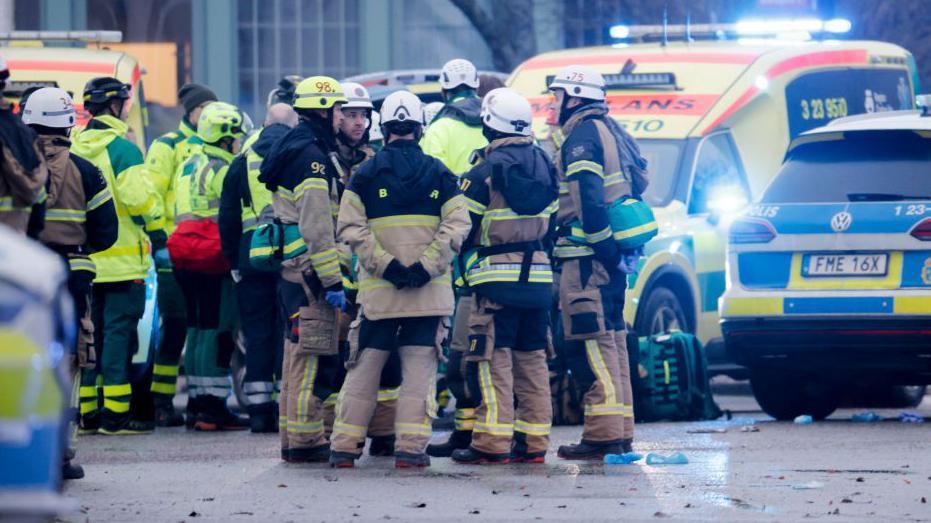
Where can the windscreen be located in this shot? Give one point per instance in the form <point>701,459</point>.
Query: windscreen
<point>862,166</point>
<point>662,167</point>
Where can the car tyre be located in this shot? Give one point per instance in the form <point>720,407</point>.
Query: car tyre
<point>785,395</point>
<point>662,312</point>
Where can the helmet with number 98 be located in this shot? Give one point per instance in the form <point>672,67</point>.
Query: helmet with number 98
<point>318,92</point>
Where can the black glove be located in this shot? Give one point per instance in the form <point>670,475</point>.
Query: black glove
<point>418,276</point>
<point>397,274</point>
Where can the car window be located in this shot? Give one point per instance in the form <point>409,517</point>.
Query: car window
<point>863,166</point>
<point>662,169</point>
<point>717,175</point>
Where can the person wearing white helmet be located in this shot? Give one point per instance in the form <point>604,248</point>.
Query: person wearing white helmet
<point>456,131</point>
<point>404,218</point>
<point>376,138</point>
<point>599,164</point>
<point>511,195</point>
<point>80,217</point>
<point>353,149</point>
<point>430,111</point>
<point>22,171</point>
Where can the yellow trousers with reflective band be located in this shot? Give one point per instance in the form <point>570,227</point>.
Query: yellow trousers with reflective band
<point>415,404</point>
<point>510,374</point>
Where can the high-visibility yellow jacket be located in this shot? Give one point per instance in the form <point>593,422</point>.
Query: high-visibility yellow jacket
<point>166,155</point>
<point>455,134</point>
<point>199,183</point>
<point>138,207</point>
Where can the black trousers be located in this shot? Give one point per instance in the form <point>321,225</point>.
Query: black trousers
<point>257,297</point>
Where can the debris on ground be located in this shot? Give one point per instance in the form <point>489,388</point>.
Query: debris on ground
<point>911,417</point>
<point>677,458</point>
<point>866,417</point>
<point>706,431</point>
<point>804,419</point>
<point>749,428</point>
<point>811,485</point>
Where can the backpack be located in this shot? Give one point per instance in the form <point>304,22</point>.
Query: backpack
<point>669,374</point>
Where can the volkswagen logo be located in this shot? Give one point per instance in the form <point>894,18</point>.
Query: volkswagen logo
<point>841,221</point>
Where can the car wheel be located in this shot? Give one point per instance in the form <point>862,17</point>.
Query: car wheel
<point>662,312</point>
<point>905,396</point>
<point>785,395</point>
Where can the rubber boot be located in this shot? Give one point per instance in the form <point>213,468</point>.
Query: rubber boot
<point>589,451</point>
<point>193,409</point>
<point>407,460</point>
<point>123,425</point>
<point>382,446</point>
<point>71,471</point>
<point>263,418</point>
<point>216,416</point>
<point>343,460</point>
<point>471,456</point>
<point>319,454</point>
<point>519,453</point>
<point>165,414</point>
<point>627,445</point>
<point>89,423</point>
<point>459,439</point>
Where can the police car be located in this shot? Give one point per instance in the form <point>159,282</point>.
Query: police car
<point>829,275</point>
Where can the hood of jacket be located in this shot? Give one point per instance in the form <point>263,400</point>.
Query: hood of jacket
<point>98,134</point>
<point>522,173</point>
<point>267,138</point>
<point>405,168</point>
<point>284,151</point>
<point>466,109</point>
<point>17,137</point>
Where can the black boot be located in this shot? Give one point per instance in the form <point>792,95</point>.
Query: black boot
<point>263,418</point>
<point>471,456</point>
<point>589,451</point>
<point>519,453</point>
<point>71,471</point>
<point>382,446</point>
<point>627,445</point>
<point>407,460</point>
<point>193,409</point>
<point>216,416</point>
<point>318,454</point>
<point>343,460</point>
<point>123,425</point>
<point>165,414</point>
<point>459,439</point>
<point>89,423</point>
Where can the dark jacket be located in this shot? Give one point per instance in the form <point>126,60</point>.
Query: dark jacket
<point>512,199</point>
<point>236,195</point>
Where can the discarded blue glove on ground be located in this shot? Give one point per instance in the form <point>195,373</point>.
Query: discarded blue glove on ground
<point>677,458</point>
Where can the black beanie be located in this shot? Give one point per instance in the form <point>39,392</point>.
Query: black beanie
<point>192,95</point>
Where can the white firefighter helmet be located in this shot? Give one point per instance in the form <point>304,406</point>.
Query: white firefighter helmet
<point>458,72</point>
<point>375,134</point>
<point>402,106</point>
<point>357,95</point>
<point>51,107</point>
<point>506,111</point>
<point>580,81</point>
<point>430,111</point>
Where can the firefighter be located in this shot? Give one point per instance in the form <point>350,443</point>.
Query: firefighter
<point>80,218</point>
<point>456,132</point>
<point>592,282</point>
<point>353,147</point>
<point>166,154</point>
<point>118,301</point>
<point>405,220</point>
<point>512,197</point>
<point>200,268</point>
<point>22,172</point>
<point>243,204</point>
<point>302,173</point>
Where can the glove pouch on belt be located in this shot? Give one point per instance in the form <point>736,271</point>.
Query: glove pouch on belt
<point>481,331</point>
<point>318,329</point>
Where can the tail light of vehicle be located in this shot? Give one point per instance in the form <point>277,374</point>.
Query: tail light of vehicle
<point>749,230</point>
<point>922,231</point>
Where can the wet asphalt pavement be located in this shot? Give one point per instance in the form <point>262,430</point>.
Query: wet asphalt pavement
<point>835,470</point>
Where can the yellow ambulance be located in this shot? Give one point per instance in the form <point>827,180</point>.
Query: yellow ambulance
<point>714,119</point>
<point>33,64</point>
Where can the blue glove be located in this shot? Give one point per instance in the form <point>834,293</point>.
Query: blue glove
<point>630,260</point>
<point>162,259</point>
<point>336,299</point>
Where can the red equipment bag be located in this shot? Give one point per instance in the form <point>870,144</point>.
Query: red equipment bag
<point>195,246</point>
